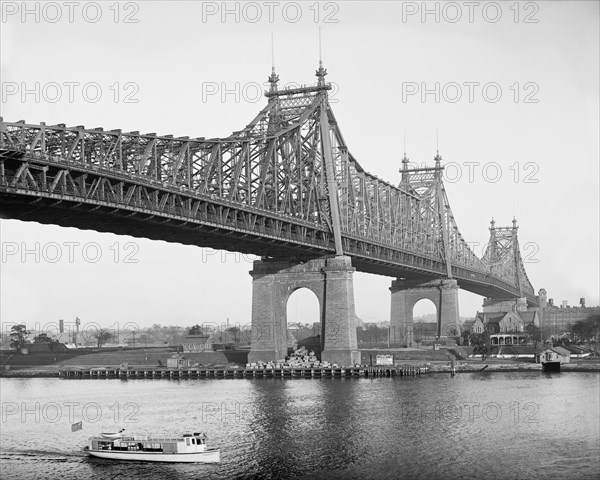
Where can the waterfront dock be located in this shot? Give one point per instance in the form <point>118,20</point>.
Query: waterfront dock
<point>215,372</point>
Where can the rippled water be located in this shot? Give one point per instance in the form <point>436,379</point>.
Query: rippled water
<point>482,425</point>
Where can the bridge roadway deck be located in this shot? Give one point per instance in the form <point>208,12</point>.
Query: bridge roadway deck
<point>277,237</point>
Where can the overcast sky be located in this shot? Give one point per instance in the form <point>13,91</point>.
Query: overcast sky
<point>511,88</point>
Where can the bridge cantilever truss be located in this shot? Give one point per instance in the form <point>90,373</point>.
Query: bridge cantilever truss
<point>284,186</point>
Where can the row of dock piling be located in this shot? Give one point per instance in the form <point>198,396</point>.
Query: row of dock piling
<point>199,373</point>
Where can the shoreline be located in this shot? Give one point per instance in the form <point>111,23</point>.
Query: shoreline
<point>433,368</point>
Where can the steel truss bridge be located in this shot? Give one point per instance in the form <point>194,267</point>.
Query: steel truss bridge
<point>284,186</point>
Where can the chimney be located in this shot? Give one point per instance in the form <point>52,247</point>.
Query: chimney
<point>564,304</point>
<point>551,302</point>
<point>582,302</point>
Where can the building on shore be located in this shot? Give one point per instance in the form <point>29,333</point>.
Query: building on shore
<point>505,320</point>
<point>557,320</point>
<point>503,317</point>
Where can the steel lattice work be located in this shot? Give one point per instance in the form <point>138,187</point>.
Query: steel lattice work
<point>503,256</point>
<point>284,186</point>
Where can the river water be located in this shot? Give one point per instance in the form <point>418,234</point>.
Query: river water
<point>481,425</point>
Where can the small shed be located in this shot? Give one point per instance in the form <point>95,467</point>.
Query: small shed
<point>552,358</point>
<point>178,361</point>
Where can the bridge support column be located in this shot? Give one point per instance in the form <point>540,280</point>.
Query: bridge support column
<point>340,319</point>
<point>406,293</point>
<point>331,280</point>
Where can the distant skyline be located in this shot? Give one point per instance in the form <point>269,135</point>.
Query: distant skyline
<point>514,102</point>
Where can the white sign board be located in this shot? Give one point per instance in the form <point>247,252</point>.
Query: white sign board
<point>384,360</point>
<point>194,347</point>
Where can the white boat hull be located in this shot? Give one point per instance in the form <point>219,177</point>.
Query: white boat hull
<point>208,456</point>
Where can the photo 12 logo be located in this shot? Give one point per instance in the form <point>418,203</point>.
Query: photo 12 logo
<point>210,255</point>
<point>270,12</point>
<point>69,12</point>
<point>529,250</point>
<point>68,252</point>
<point>76,332</point>
<point>69,92</point>
<point>470,92</point>
<point>470,412</point>
<point>470,12</point>
<point>55,412</point>
<point>249,92</point>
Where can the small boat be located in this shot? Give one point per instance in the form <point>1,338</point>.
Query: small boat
<point>187,448</point>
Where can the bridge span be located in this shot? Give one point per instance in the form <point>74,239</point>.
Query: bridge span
<point>286,188</point>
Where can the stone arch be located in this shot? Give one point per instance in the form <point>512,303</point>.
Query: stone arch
<point>427,300</point>
<point>314,295</point>
<point>406,293</point>
<point>426,331</point>
<point>330,279</point>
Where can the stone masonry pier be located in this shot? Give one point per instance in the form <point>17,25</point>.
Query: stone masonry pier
<point>331,280</point>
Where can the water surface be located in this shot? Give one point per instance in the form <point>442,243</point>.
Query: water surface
<point>479,425</point>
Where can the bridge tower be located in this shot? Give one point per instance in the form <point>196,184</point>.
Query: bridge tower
<point>503,258</point>
<point>426,184</point>
<point>330,277</point>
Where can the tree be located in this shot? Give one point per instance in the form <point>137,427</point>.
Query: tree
<point>481,344</point>
<point>44,338</point>
<point>102,336</point>
<point>172,335</point>
<point>561,340</point>
<point>236,332</point>
<point>534,334</point>
<point>195,330</point>
<point>18,336</point>
<point>587,330</point>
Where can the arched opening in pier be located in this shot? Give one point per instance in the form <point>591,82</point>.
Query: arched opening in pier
<point>425,321</point>
<point>304,320</point>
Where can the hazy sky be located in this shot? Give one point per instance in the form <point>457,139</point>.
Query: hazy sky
<point>511,88</point>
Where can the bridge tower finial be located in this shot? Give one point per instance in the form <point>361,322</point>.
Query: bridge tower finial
<point>514,222</point>
<point>404,169</point>
<point>438,164</point>
<point>274,78</point>
<point>438,157</point>
<point>321,72</point>
<point>493,224</point>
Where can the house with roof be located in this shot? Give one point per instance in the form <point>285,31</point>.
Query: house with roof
<point>476,325</point>
<point>504,328</point>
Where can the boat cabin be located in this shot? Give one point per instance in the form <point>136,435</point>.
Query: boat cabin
<point>188,443</point>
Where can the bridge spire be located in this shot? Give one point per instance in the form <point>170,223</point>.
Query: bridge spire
<point>274,78</point>
<point>438,157</point>
<point>321,72</point>
<point>404,169</point>
<point>438,164</point>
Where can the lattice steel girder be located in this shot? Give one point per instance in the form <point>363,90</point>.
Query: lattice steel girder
<point>289,169</point>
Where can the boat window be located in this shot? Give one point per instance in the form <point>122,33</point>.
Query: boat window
<point>187,441</point>
<point>193,441</point>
